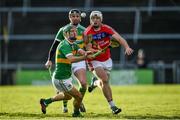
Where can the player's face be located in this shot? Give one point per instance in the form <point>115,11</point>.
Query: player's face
<point>96,21</point>
<point>75,18</point>
<point>73,34</point>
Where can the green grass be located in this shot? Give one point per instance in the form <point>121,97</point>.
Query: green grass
<point>137,102</point>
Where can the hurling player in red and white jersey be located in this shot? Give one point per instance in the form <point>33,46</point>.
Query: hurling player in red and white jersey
<point>98,37</point>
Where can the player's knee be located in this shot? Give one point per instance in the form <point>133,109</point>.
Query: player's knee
<point>105,80</point>
<point>84,86</point>
<point>67,97</point>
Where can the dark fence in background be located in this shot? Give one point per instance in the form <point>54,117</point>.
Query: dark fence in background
<point>28,29</point>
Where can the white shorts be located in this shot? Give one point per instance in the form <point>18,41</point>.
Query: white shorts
<point>62,85</point>
<point>107,65</point>
<point>78,65</point>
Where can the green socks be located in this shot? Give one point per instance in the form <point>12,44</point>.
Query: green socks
<point>48,101</point>
<point>65,103</point>
<point>82,90</point>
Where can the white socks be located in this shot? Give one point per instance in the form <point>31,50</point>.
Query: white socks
<point>111,103</point>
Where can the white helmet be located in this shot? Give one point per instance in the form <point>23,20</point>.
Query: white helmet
<point>96,13</point>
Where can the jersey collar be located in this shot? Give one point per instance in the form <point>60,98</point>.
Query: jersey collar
<point>76,26</point>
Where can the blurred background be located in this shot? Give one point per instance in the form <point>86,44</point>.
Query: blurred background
<point>151,27</point>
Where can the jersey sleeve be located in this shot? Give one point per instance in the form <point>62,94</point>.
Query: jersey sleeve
<point>53,49</point>
<point>59,36</point>
<point>66,50</point>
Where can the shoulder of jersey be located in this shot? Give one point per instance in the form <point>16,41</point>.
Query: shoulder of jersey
<point>65,43</point>
<point>82,27</point>
<point>106,26</point>
<point>62,42</point>
<point>88,29</point>
<point>64,27</point>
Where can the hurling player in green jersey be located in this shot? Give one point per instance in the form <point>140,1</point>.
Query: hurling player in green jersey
<point>66,54</point>
<point>78,68</point>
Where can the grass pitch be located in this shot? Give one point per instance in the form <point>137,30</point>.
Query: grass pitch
<point>137,102</point>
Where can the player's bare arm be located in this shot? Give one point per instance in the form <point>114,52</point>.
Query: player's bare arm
<point>89,48</point>
<point>83,52</point>
<point>123,42</point>
<point>88,44</point>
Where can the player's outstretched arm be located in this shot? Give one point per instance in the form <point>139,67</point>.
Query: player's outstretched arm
<point>51,53</point>
<point>123,42</point>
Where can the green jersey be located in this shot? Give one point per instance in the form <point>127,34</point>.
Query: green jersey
<point>80,29</point>
<point>63,65</point>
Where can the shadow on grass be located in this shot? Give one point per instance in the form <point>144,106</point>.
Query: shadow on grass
<point>31,115</point>
<point>125,116</point>
<point>86,115</point>
<point>150,117</point>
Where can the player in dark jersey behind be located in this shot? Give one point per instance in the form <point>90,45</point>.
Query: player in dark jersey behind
<point>66,55</point>
<point>78,68</point>
<point>98,37</point>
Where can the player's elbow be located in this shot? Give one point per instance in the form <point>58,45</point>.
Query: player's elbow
<point>71,58</point>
